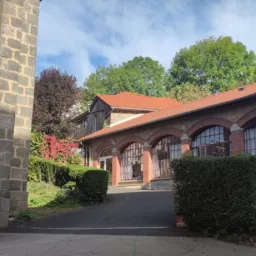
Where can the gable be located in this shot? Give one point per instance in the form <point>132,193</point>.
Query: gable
<point>99,105</point>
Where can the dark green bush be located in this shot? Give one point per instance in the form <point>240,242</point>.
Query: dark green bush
<point>41,169</point>
<point>24,215</point>
<point>77,171</point>
<point>93,185</point>
<point>216,195</point>
<point>71,185</point>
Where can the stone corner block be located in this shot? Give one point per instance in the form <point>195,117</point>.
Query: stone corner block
<point>4,219</point>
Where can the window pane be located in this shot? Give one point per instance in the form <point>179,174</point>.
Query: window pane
<point>204,142</point>
<point>250,137</point>
<point>131,162</point>
<point>164,151</point>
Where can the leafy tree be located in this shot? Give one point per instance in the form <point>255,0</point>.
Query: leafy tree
<point>141,75</point>
<point>152,75</point>
<point>189,92</point>
<point>218,63</point>
<point>55,94</point>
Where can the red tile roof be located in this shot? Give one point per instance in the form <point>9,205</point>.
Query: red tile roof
<point>183,109</point>
<point>130,100</point>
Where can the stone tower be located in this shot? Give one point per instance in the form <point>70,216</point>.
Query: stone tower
<point>18,41</point>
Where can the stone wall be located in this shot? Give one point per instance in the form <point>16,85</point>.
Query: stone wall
<point>18,41</point>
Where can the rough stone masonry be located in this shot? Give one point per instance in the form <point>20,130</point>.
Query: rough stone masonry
<point>18,41</point>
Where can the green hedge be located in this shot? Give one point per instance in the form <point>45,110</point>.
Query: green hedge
<point>41,169</point>
<point>216,195</point>
<point>93,185</point>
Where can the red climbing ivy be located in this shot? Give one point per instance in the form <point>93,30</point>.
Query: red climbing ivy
<point>56,149</point>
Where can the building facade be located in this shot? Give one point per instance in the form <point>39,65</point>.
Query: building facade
<point>142,149</point>
<point>109,110</point>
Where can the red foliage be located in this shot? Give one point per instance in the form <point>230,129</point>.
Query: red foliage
<point>53,148</point>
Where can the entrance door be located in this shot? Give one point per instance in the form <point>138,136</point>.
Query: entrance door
<point>106,164</point>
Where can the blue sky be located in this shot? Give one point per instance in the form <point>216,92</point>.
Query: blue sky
<point>80,35</point>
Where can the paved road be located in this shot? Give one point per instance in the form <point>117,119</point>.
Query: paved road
<point>132,223</point>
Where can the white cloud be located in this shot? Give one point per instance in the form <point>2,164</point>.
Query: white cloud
<point>120,30</point>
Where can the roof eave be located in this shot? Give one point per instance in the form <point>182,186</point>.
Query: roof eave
<point>135,109</point>
<point>171,117</point>
<point>79,116</point>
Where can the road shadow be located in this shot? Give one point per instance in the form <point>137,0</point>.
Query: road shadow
<point>126,212</point>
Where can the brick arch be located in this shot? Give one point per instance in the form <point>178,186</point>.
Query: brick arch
<point>160,133</point>
<point>103,146</point>
<point>208,122</point>
<point>122,144</point>
<point>247,117</point>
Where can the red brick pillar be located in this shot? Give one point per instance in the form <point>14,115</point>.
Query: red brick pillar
<point>95,162</point>
<point>186,143</point>
<point>147,164</point>
<point>116,169</point>
<point>237,142</point>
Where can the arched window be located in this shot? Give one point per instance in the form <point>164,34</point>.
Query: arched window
<point>212,141</point>
<point>132,162</point>
<point>164,151</point>
<point>250,137</point>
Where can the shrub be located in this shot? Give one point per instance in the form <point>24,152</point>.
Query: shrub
<point>41,169</point>
<point>24,215</point>
<point>71,185</point>
<point>76,171</point>
<point>216,195</point>
<point>36,143</point>
<point>75,159</point>
<point>93,185</point>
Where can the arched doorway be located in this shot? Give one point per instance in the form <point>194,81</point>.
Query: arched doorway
<point>250,137</point>
<point>163,152</point>
<point>132,162</point>
<point>211,141</point>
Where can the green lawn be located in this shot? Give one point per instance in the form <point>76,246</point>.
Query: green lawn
<point>45,199</point>
<point>41,193</point>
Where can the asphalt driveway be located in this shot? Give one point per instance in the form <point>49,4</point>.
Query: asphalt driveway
<point>132,222</point>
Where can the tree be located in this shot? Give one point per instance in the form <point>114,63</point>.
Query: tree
<point>152,74</point>
<point>55,94</point>
<point>218,63</point>
<point>141,75</point>
<point>189,92</point>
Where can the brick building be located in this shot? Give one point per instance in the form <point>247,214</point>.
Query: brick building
<point>141,148</point>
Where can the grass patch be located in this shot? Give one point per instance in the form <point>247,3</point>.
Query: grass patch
<point>41,193</point>
<point>45,199</point>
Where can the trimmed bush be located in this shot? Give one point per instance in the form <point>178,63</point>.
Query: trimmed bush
<point>93,185</point>
<point>41,169</point>
<point>216,195</point>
